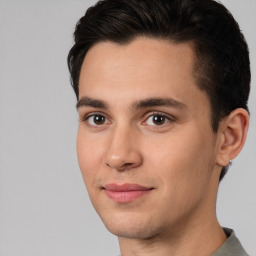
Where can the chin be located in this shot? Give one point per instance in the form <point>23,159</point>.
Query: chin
<point>130,226</point>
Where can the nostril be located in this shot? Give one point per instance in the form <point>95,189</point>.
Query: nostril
<point>126,166</point>
<point>123,167</point>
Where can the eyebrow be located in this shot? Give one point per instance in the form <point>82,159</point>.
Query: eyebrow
<point>158,102</point>
<point>145,103</point>
<point>90,102</point>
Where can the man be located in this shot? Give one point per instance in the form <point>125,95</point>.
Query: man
<point>162,89</point>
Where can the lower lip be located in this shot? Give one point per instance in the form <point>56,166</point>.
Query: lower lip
<point>125,196</point>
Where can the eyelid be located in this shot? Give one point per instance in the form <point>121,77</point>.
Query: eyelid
<point>160,113</point>
<point>154,113</point>
<point>90,114</point>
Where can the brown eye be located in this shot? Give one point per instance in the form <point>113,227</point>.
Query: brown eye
<point>157,120</point>
<point>96,120</point>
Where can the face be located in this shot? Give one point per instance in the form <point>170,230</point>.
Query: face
<point>145,143</point>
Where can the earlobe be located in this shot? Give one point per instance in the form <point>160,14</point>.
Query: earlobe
<point>232,135</point>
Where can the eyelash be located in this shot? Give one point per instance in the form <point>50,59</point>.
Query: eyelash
<point>167,118</point>
<point>86,117</point>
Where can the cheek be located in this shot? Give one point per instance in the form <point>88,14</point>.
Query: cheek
<point>182,174</point>
<point>178,150</point>
<point>88,153</point>
<point>182,160</point>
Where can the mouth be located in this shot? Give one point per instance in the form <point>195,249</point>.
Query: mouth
<point>125,193</point>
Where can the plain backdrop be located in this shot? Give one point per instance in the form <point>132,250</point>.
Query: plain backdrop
<point>44,206</point>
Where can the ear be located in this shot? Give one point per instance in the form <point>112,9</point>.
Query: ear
<point>232,134</point>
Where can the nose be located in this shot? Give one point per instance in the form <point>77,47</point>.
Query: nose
<point>123,152</point>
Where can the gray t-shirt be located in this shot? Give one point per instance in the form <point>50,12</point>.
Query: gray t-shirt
<point>231,247</point>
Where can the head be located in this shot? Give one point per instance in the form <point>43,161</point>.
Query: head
<point>129,55</point>
<point>222,67</point>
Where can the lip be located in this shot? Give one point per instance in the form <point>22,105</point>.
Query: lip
<point>125,193</point>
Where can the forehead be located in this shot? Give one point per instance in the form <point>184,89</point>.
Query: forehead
<point>142,58</point>
<point>143,68</point>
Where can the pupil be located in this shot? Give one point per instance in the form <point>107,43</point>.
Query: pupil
<point>158,119</point>
<point>98,119</point>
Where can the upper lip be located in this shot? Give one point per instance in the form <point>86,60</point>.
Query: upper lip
<point>125,187</point>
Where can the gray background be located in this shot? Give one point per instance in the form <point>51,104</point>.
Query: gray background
<point>44,207</point>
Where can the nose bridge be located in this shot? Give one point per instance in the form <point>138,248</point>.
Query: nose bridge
<point>123,151</point>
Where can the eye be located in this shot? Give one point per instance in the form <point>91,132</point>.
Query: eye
<point>96,120</point>
<point>157,119</point>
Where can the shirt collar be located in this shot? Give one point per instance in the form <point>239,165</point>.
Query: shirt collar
<point>231,247</point>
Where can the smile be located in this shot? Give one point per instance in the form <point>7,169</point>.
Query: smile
<point>125,193</point>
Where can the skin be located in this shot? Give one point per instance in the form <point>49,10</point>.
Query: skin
<point>179,159</point>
